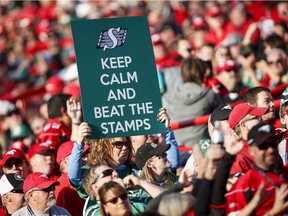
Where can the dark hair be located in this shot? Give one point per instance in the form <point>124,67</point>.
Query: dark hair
<point>193,70</point>
<point>251,95</point>
<point>275,41</point>
<point>56,103</point>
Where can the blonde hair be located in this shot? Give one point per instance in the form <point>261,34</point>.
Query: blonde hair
<point>89,178</point>
<point>146,174</point>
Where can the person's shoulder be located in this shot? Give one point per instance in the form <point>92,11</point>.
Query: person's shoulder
<point>92,207</point>
<point>21,211</point>
<point>60,210</point>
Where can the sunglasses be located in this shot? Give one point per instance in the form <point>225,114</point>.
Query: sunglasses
<point>276,62</point>
<point>46,190</point>
<point>115,199</point>
<point>11,163</point>
<point>105,173</point>
<point>120,144</point>
<point>265,146</point>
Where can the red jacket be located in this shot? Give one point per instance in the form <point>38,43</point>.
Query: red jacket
<point>244,189</point>
<point>55,133</point>
<point>67,197</point>
<point>243,162</point>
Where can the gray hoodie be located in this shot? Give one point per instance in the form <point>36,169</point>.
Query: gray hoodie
<point>187,101</point>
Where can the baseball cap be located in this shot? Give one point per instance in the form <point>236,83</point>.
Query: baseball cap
<point>246,50</point>
<point>38,180</point>
<point>220,113</point>
<point>72,89</point>
<point>232,39</point>
<point>39,148</point>
<point>12,182</point>
<point>261,134</point>
<point>198,22</point>
<point>13,153</point>
<point>65,150</point>
<point>156,39</point>
<point>214,11</point>
<point>18,144</point>
<point>226,66</point>
<point>241,110</point>
<point>148,150</point>
<point>54,85</point>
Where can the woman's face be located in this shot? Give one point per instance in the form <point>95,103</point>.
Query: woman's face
<point>160,163</point>
<point>117,204</point>
<point>120,150</point>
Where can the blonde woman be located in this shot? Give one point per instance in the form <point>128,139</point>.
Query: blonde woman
<point>152,159</point>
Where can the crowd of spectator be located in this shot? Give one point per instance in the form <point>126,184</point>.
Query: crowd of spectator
<point>216,58</point>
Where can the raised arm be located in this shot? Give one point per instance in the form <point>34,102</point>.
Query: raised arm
<point>75,161</point>
<point>173,154</point>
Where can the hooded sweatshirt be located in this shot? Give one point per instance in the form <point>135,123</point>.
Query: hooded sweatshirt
<point>187,101</point>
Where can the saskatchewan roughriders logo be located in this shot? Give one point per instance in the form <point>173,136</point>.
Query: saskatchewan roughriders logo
<point>111,38</point>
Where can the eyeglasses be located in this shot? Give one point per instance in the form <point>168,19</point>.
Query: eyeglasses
<point>11,163</point>
<point>120,144</point>
<point>265,146</point>
<point>276,62</point>
<point>115,199</point>
<point>46,190</point>
<point>105,173</point>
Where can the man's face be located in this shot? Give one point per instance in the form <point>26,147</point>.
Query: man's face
<point>264,158</point>
<point>265,99</point>
<point>14,165</point>
<point>44,198</point>
<point>104,174</point>
<point>43,163</point>
<point>229,79</point>
<point>16,198</point>
<point>276,64</point>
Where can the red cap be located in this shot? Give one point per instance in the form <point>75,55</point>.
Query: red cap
<point>37,180</point>
<point>13,153</point>
<point>18,144</point>
<point>213,11</point>
<point>54,85</point>
<point>241,110</point>
<point>65,150</point>
<point>39,148</point>
<point>226,66</point>
<point>72,89</point>
<point>199,22</point>
<point>156,39</point>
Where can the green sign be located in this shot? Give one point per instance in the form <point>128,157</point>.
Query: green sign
<point>118,79</point>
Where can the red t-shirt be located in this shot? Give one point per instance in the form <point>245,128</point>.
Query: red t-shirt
<point>55,133</point>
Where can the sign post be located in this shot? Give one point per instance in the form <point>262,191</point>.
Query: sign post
<point>118,80</point>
